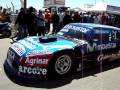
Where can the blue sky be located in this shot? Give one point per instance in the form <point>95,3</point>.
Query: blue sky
<point>70,3</point>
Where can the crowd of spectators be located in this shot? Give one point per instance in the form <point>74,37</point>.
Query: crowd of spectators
<point>32,22</point>
<point>39,23</point>
<point>4,15</point>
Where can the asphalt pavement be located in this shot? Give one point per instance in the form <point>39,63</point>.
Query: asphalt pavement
<point>90,79</point>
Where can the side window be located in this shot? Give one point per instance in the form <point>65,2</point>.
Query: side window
<point>96,36</point>
<point>117,35</point>
<point>106,34</point>
<point>102,34</point>
<point>78,34</point>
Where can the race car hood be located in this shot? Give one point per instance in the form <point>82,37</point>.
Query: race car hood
<point>37,45</point>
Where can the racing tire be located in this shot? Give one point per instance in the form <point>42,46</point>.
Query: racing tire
<point>60,65</point>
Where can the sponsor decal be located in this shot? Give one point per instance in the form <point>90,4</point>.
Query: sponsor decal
<point>58,46</point>
<point>38,52</point>
<point>91,48</point>
<point>36,61</point>
<point>95,47</point>
<point>20,49</point>
<point>80,29</point>
<point>28,44</point>
<point>33,41</point>
<point>34,71</point>
<point>104,57</point>
<point>10,55</point>
<point>106,46</point>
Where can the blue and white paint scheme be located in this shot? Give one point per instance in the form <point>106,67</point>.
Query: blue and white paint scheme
<point>73,43</point>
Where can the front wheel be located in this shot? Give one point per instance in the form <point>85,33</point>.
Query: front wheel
<point>61,64</point>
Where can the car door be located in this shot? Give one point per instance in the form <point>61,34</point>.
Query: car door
<point>92,51</point>
<point>116,38</point>
<point>102,44</point>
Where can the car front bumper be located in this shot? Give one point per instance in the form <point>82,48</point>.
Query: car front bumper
<point>15,73</point>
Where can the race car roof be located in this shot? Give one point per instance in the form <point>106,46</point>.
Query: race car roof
<point>92,25</point>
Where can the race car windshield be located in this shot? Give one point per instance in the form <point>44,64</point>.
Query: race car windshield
<point>74,34</point>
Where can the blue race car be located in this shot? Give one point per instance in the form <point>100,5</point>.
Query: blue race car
<point>37,57</point>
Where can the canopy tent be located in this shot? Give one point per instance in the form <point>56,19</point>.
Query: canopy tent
<point>77,9</point>
<point>113,9</point>
<point>102,7</point>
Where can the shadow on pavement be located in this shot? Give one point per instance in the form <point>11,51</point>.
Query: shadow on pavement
<point>1,37</point>
<point>55,82</point>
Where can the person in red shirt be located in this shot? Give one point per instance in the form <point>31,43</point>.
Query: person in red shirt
<point>47,20</point>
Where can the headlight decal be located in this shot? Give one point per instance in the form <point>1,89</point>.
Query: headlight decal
<point>18,48</point>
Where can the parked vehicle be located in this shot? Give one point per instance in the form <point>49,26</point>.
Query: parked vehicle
<point>5,29</point>
<point>37,57</point>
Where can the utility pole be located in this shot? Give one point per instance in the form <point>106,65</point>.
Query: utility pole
<point>25,4</point>
<point>13,7</point>
<point>13,12</point>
